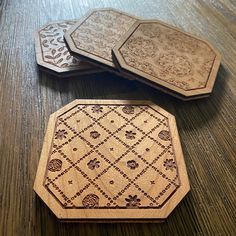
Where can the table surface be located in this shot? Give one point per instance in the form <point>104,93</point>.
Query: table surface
<point>207,126</point>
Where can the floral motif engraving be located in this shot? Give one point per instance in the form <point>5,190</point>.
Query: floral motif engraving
<point>161,53</point>
<point>174,64</point>
<point>99,33</point>
<point>164,135</point>
<point>92,164</point>
<point>132,164</point>
<point>206,67</point>
<point>183,42</point>
<point>55,165</point>
<point>141,47</point>
<point>132,201</point>
<point>61,134</point>
<point>169,164</point>
<point>97,109</point>
<point>128,109</point>
<point>94,134</point>
<point>130,134</point>
<point>90,201</point>
<point>150,30</point>
<point>54,50</point>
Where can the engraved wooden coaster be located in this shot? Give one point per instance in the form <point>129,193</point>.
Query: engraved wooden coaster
<point>93,37</point>
<point>167,58</point>
<point>52,54</point>
<point>111,160</point>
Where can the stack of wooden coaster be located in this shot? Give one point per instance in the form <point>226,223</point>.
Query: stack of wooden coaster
<point>150,51</point>
<point>116,160</point>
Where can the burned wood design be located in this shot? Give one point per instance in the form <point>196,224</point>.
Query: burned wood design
<point>127,164</point>
<point>52,52</point>
<point>168,57</point>
<point>94,36</point>
<point>127,137</point>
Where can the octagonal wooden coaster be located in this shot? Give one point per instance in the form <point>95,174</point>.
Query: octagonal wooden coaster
<point>111,160</point>
<point>52,54</point>
<point>93,37</point>
<point>168,59</point>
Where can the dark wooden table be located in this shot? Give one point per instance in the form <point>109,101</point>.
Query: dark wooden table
<point>207,127</point>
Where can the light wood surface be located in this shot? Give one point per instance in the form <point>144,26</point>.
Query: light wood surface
<point>111,160</point>
<point>52,54</point>
<point>206,126</point>
<point>168,57</point>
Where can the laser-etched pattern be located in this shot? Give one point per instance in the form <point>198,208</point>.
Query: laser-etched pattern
<point>98,33</point>
<point>52,52</point>
<point>159,52</point>
<point>112,156</point>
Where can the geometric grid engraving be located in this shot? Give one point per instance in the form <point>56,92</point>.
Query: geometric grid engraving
<point>112,156</point>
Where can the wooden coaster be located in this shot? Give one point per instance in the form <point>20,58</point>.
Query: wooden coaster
<point>93,37</point>
<point>167,58</point>
<point>111,160</point>
<point>52,54</point>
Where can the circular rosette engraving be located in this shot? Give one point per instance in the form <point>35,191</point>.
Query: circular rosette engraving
<point>55,165</point>
<point>132,164</point>
<point>128,109</point>
<point>164,135</point>
<point>90,201</point>
<point>141,47</point>
<point>94,134</point>
<point>97,109</point>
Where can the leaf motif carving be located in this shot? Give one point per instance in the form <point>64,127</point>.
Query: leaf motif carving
<point>60,40</point>
<point>51,41</point>
<point>68,57</point>
<point>62,25</point>
<point>53,51</point>
<point>48,57</point>
<point>53,35</point>
<point>61,49</point>
<point>64,65</point>
<point>57,56</point>
<point>60,60</point>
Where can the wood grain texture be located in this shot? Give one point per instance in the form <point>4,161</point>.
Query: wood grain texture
<point>111,160</point>
<point>206,127</point>
<point>168,57</point>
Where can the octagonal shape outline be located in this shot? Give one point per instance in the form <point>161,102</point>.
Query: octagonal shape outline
<point>111,214</point>
<point>79,53</point>
<point>133,73</point>
<point>55,70</point>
